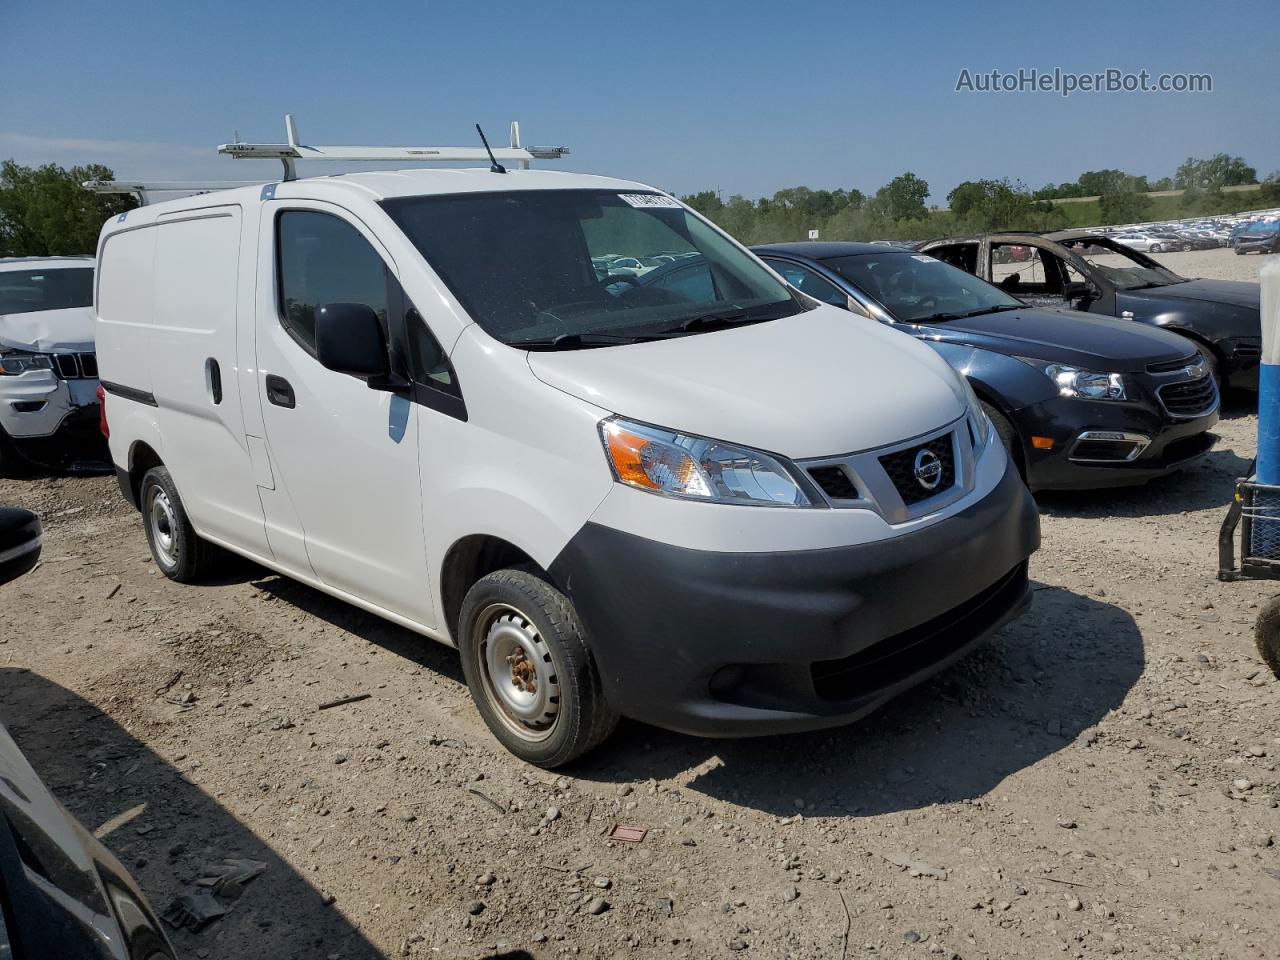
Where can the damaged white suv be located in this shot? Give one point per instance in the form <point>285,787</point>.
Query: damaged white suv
<point>48,368</point>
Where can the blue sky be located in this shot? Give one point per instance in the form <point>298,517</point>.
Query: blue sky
<point>748,97</point>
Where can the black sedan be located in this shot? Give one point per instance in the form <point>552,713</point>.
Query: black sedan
<point>1080,401</point>
<point>1087,271</point>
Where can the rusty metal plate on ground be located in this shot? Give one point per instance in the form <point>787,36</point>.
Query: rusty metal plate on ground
<point>627,834</point>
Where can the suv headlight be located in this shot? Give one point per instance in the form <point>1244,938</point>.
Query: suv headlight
<point>20,361</point>
<point>697,468</point>
<point>1077,382</point>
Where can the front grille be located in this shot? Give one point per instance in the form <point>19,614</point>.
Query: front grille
<point>1189,398</point>
<point>76,366</point>
<point>835,483</point>
<point>897,657</point>
<point>901,468</point>
<point>1173,366</point>
<point>1104,450</point>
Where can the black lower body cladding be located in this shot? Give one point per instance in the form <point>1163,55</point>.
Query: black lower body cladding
<point>740,644</point>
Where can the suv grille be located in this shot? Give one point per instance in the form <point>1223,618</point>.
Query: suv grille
<point>1173,366</point>
<point>901,468</point>
<point>76,366</point>
<point>1190,398</point>
<point>835,483</point>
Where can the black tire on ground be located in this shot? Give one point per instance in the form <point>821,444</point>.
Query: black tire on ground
<point>1155,248</point>
<point>1266,634</point>
<point>1009,437</point>
<point>177,549</point>
<point>516,610</point>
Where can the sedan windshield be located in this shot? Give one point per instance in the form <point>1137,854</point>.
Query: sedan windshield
<point>916,288</point>
<point>34,291</point>
<point>1122,267</point>
<point>567,269</point>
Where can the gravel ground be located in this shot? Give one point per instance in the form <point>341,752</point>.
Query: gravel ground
<point>1101,779</point>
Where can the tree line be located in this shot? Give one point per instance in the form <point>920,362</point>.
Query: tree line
<point>899,210</point>
<point>44,211</point>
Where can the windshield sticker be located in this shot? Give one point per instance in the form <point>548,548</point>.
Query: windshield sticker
<point>649,200</point>
<point>923,259</point>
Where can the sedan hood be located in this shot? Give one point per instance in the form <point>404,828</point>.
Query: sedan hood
<point>816,384</point>
<point>49,331</point>
<point>1238,293</point>
<point>1067,336</point>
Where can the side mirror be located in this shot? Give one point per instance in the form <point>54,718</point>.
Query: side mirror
<point>350,339</point>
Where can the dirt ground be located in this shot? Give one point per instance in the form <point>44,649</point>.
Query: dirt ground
<point>1101,779</point>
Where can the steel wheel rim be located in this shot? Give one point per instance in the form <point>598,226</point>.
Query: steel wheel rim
<point>164,523</point>
<point>520,679</point>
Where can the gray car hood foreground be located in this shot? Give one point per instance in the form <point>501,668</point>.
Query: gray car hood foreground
<point>49,331</point>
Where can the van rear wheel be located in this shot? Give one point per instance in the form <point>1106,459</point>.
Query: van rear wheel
<point>177,549</point>
<point>534,681</point>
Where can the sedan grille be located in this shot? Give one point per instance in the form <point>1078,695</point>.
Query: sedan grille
<point>1189,398</point>
<point>901,468</point>
<point>1173,366</point>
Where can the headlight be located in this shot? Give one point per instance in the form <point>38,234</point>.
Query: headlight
<point>1086,384</point>
<point>680,465</point>
<point>979,423</point>
<point>19,361</point>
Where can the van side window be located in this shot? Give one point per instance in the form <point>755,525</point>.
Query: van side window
<point>431,366</point>
<point>321,259</point>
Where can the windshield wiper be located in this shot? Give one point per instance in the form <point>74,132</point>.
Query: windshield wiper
<point>576,341</point>
<point>709,321</point>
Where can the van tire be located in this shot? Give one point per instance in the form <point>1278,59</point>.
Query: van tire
<point>1008,436</point>
<point>517,610</point>
<point>176,548</point>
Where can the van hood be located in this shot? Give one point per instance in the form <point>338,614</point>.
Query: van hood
<point>817,384</point>
<point>1065,336</point>
<point>48,331</point>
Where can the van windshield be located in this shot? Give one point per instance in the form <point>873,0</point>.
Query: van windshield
<point>566,269</point>
<point>33,291</point>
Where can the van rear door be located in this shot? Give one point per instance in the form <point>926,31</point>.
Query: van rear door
<point>192,354</point>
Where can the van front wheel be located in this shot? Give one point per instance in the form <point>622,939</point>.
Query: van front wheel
<point>525,657</point>
<point>175,546</point>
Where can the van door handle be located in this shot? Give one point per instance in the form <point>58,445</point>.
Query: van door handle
<point>213,379</point>
<point>280,392</point>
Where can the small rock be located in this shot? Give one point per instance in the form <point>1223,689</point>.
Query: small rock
<point>1067,824</point>
<point>737,944</point>
<point>486,879</point>
<point>790,894</point>
<point>596,906</point>
<point>1074,905</point>
<point>603,883</point>
<point>911,936</point>
<point>475,907</point>
<point>625,790</point>
<point>1257,751</point>
<point>553,814</point>
<point>1242,785</point>
<point>340,758</point>
<point>539,937</point>
<point>408,817</point>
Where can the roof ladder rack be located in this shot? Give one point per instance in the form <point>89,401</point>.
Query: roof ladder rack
<point>143,189</point>
<point>290,152</point>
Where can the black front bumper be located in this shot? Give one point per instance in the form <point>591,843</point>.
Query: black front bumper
<point>1174,443</point>
<point>738,644</point>
<point>78,439</point>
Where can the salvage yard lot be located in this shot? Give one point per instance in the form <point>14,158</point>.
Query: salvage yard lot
<point>1100,779</point>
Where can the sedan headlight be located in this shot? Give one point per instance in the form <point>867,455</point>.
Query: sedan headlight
<point>20,361</point>
<point>680,465</point>
<point>1076,382</point>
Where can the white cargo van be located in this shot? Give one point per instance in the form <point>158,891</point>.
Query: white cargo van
<point>691,496</point>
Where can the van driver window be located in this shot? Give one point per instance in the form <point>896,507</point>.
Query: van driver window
<point>322,259</point>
